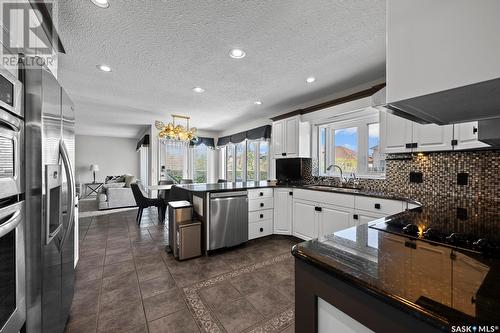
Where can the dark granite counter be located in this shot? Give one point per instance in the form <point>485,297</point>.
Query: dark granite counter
<point>440,284</point>
<point>239,186</point>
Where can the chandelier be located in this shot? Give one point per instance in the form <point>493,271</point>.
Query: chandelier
<point>173,131</point>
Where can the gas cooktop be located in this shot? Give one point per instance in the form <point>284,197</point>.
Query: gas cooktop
<point>472,226</point>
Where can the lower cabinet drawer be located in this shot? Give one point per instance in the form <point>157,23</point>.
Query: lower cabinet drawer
<point>259,204</point>
<point>260,215</point>
<point>260,229</point>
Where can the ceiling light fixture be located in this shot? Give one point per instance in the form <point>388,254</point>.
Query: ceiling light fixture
<point>104,68</point>
<point>237,53</point>
<point>173,131</point>
<point>101,3</point>
<point>198,90</point>
<point>310,79</point>
<point>257,103</point>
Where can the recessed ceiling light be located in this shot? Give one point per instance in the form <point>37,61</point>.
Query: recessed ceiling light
<point>198,90</point>
<point>310,79</point>
<point>101,3</point>
<point>257,103</point>
<point>104,68</point>
<point>237,53</point>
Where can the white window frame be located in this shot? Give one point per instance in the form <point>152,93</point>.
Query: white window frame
<point>191,163</point>
<point>361,123</point>
<point>245,165</point>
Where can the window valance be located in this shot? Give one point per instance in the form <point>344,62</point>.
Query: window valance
<point>263,132</point>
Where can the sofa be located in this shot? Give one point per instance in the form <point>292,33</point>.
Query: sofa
<point>116,192</point>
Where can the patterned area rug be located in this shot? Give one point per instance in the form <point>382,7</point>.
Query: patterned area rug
<point>207,319</point>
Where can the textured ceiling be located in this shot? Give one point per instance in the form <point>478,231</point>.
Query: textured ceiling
<point>159,50</point>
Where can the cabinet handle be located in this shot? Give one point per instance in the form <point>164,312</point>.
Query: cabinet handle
<point>355,216</point>
<point>318,209</point>
<point>261,229</point>
<point>261,194</point>
<point>414,145</point>
<point>472,300</point>
<point>408,145</point>
<point>283,154</point>
<point>474,130</point>
<point>261,216</point>
<point>262,204</point>
<point>290,193</point>
<point>377,206</point>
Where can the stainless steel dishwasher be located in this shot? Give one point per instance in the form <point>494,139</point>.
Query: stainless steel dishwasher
<point>228,225</point>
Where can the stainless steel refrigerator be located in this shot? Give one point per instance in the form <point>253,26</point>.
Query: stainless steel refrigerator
<point>50,199</point>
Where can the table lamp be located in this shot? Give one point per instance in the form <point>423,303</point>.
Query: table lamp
<point>94,168</point>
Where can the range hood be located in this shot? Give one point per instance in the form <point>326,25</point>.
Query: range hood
<point>479,101</point>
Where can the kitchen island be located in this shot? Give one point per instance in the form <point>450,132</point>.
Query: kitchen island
<point>272,208</point>
<point>423,270</point>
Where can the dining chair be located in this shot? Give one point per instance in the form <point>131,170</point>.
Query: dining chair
<point>145,202</point>
<point>186,181</point>
<point>222,181</point>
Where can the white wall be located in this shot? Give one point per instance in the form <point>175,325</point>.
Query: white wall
<point>115,156</point>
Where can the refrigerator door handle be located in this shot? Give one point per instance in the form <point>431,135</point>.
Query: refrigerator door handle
<point>72,188</point>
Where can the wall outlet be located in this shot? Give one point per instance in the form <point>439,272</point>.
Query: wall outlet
<point>462,213</point>
<point>416,177</point>
<point>462,178</point>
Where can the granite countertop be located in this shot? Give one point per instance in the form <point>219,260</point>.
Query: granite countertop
<point>240,186</point>
<point>443,285</point>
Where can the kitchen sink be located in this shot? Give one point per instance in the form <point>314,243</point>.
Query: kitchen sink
<point>333,188</point>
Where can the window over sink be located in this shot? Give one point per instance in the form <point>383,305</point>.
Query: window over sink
<point>353,144</point>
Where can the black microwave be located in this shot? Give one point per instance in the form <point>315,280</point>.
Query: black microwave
<point>291,170</point>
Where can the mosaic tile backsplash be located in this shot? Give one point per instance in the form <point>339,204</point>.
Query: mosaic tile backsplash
<point>481,170</point>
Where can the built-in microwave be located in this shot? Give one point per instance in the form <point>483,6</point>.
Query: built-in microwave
<point>10,93</point>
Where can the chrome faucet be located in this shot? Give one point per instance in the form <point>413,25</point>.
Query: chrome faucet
<point>342,179</point>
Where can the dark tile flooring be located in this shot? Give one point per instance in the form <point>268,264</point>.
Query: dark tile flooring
<point>126,282</point>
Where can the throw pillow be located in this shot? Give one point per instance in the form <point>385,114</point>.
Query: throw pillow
<point>129,179</point>
<point>114,185</point>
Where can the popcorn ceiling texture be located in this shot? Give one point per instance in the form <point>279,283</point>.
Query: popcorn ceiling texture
<point>439,171</point>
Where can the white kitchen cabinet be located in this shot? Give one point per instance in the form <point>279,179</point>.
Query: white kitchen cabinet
<point>468,276</point>
<point>283,211</point>
<point>260,212</point>
<point>432,137</point>
<point>461,30</point>
<point>373,205</point>
<point>305,221</point>
<point>291,138</point>
<point>362,217</point>
<point>397,133</point>
<point>465,135</point>
<point>333,218</point>
<point>404,136</point>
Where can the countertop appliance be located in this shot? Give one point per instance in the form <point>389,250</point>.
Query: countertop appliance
<point>291,170</point>
<point>12,214</point>
<point>50,195</point>
<point>228,224</point>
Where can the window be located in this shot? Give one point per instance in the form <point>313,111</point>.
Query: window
<point>345,143</point>
<point>230,162</point>
<point>173,156</point>
<point>247,161</point>
<point>263,160</point>
<point>200,164</point>
<point>240,161</point>
<point>353,145</point>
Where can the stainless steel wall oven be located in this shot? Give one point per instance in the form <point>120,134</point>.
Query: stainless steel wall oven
<point>12,213</point>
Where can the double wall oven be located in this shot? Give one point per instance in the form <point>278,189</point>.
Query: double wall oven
<point>12,214</point>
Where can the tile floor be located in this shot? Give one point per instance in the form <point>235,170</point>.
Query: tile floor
<point>125,282</point>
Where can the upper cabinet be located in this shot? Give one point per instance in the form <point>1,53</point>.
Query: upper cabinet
<point>439,45</point>
<point>291,138</point>
<point>405,136</point>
